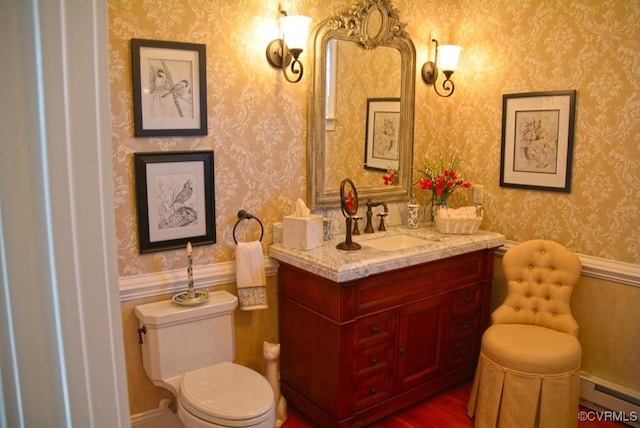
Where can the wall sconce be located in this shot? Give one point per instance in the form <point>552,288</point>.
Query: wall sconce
<point>280,52</point>
<point>448,61</point>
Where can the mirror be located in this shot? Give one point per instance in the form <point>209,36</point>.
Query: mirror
<point>361,98</point>
<point>349,205</point>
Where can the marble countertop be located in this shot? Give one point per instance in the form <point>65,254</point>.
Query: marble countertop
<point>340,265</point>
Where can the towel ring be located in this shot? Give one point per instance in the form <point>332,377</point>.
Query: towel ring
<point>243,215</point>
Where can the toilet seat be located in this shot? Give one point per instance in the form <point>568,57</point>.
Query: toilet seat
<point>227,394</point>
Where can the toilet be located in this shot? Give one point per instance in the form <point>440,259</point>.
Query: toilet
<point>189,350</point>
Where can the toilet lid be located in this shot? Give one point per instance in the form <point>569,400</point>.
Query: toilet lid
<point>227,393</point>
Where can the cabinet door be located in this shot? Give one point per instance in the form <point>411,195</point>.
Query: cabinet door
<point>420,340</point>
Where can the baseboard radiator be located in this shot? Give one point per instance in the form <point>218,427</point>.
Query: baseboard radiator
<point>609,401</point>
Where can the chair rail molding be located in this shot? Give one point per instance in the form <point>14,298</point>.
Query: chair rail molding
<point>597,267</point>
<point>157,283</point>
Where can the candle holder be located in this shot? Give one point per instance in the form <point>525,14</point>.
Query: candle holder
<point>191,297</point>
<point>198,298</point>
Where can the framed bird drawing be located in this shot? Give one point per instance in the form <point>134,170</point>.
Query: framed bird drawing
<point>175,199</point>
<point>169,88</point>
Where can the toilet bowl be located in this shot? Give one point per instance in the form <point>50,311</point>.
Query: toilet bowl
<point>223,395</point>
<point>189,351</point>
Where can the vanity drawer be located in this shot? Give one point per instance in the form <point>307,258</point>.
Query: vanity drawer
<point>465,325</point>
<point>466,300</point>
<point>463,351</point>
<point>375,329</point>
<point>373,389</point>
<point>394,288</point>
<point>378,358</point>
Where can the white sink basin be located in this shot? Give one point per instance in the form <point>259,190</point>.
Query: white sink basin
<point>394,242</point>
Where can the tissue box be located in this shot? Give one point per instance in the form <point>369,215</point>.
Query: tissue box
<point>302,233</point>
<point>276,232</point>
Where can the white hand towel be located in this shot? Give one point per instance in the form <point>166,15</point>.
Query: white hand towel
<point>251,278</point>
<point>464,212</point>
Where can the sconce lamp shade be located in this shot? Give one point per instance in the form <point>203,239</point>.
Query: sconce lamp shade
<point>446,60</point>
<point>295,30</point>
<point>448,56</point>
<point>284,52</point>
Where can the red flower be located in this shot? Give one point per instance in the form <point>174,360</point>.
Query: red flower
<point>441,179</point>
<point>389,179</point>
<point>348,199</point>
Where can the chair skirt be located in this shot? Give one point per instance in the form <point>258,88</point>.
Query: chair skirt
<point>514,387</point>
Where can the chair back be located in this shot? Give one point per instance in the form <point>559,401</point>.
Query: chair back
<point>540,276</point>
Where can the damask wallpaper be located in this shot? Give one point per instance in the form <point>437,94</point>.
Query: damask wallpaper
<point>257,128</point>
<point>257,121</point>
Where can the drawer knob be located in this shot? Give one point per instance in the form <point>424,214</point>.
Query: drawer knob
<point>372,391</point>
<point>465,326</point>
<point>467,299</point>
<point>463,352</point>
<point>402,351</point>
<point>374,361</point>
<point>374,329</point>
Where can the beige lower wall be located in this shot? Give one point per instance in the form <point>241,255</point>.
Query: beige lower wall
<point>252,329</point>
<point>607,313</point>
<point>609,322</point>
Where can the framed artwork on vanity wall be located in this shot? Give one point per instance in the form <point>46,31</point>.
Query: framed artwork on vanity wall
<point>174,199</point>
<point>537,140</point>
<point>381,151</point>
<point>169,88</point>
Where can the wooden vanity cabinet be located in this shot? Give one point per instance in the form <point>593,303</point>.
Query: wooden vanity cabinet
<point>356,351</point>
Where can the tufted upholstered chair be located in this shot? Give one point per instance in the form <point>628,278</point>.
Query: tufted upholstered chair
<point>529,365</point>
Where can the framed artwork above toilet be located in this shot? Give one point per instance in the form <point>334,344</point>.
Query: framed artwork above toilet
<point>174,199</point>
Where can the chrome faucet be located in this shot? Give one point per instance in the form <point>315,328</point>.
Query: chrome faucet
<point>369,227</point>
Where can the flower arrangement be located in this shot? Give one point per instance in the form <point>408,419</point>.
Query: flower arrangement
<point>442,179</point>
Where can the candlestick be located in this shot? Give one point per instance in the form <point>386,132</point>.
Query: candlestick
<point>191,292</point>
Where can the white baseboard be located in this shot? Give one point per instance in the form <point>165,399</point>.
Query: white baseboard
<point>157,418</point>
<point>613,401</point>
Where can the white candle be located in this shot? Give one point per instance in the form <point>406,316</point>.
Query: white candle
<point>191,291</point>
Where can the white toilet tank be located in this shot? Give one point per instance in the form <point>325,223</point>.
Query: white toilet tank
<point>179,339</point>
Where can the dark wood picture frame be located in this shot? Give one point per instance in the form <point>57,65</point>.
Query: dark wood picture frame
<point>537,140</point>
<point>175,199</point>
<point>381,148</point>
<point>169,88</point>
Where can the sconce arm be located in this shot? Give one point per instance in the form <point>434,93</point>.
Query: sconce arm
<point>296,67</point>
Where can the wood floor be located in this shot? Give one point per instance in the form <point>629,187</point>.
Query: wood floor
<point>448,410</point>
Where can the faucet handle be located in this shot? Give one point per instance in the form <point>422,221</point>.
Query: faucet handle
<point>355,219</point>
<point>382,228</point>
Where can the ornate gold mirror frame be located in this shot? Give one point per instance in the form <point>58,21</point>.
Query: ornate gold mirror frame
<point>369,24</point>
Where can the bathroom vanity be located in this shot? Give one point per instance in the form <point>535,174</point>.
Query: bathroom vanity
<point>365,333</point>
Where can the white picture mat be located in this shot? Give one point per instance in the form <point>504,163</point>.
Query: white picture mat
<point>164,179</point>
<point>544,178</point>
<point>184,65</point>
<point>380,113</point>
